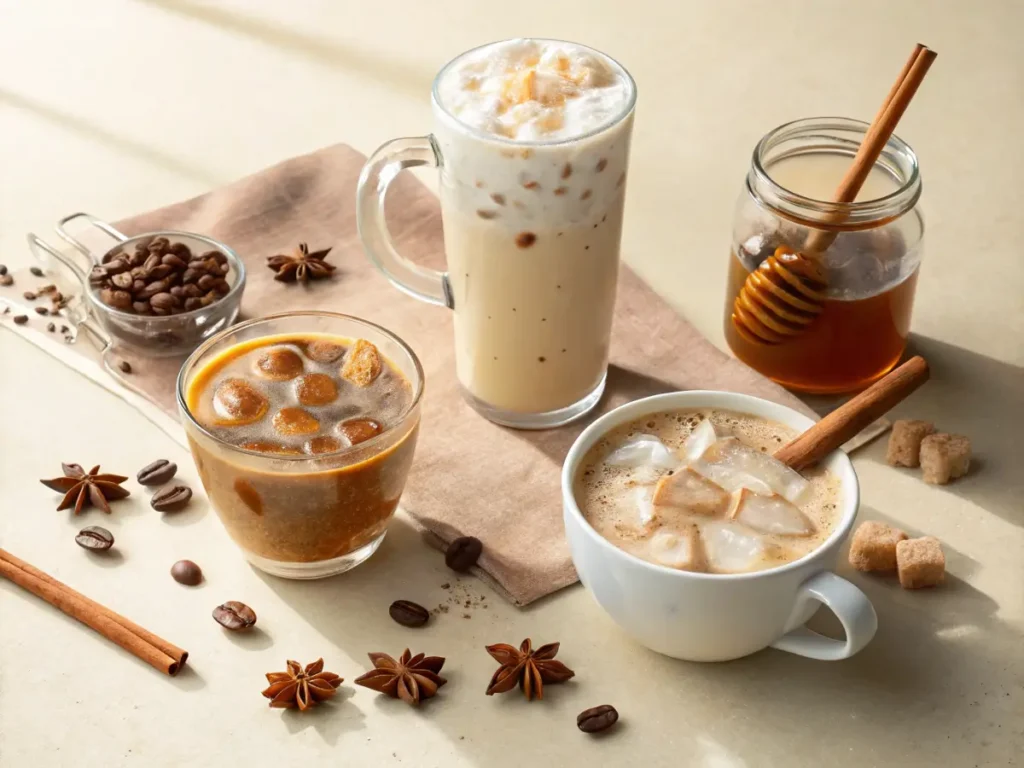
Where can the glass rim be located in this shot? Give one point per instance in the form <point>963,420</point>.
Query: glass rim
<point>435,98</point>
<point>239,266</point>
<point>898,201</point>
<point>193,359</point>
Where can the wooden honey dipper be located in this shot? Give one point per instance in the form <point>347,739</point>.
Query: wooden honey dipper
<point>784,295</point>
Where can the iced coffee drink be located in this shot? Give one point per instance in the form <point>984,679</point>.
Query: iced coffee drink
<point>532,139</point>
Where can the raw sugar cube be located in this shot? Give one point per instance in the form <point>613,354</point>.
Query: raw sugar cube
<point>874,546</point>
<point>945,457</point>
<point>905,442</point>
<point>920,562</point>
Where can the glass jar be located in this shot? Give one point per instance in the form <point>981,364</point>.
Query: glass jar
<point>849,329</point>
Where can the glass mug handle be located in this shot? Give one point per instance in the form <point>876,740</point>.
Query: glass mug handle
<point>851,607</point>
<point>380,170</point>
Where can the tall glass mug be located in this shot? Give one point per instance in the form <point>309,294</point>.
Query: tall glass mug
<point>531,138</point>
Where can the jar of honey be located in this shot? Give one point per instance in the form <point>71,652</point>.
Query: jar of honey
<point>819,293</point>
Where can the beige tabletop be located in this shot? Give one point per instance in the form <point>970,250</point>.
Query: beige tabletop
<point>116,106</point>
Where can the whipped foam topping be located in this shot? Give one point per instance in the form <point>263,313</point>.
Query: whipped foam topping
<point>534,90</point>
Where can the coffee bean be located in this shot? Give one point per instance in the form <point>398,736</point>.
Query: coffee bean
<point>124,280</point>
<point>51,327</point>
<point>165,301</point>
<point>206,282</point>
<point>597,719</point>
<point>408,613</point>
<point>181,250</point>
<point>171,499</point>
<point>95,538</point>
<point>117,266</point>
<point>42,311</point>
<point>234,615</point>
<point>125,366</point>
<point>29,296</point>
<point>6,280</point>
<point>173,261</point>
<point>121,300</point>
<point>463,553</point>
<point>188,573</point>
<point>192,304</point>
<point>20,319</point>
<point>157,473</point>
<point>160,271</point>
<point>3,270</point>
<point>142,308</point>
<point>36,271</point>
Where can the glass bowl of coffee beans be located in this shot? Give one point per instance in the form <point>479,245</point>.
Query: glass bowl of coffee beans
<point>160,293</point>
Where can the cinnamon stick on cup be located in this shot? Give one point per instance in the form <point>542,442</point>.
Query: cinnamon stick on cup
<point>142,643</point>
<point>851,417</point>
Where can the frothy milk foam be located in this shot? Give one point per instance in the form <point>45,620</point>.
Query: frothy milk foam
<point>729,509</point>
<point>535,140</point>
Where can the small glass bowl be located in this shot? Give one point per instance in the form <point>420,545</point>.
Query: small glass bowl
<point>149,335</point>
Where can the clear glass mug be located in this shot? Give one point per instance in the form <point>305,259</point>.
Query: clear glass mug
<point>532,232</point>
<point>856,330</point>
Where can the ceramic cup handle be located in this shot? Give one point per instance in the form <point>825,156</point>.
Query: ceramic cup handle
<point>851,607</point>
<point>380,170</point>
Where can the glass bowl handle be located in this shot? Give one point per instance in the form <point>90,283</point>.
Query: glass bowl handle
<point>101,225</point>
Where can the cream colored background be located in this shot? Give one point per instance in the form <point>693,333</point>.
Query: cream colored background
<point>118,106</point>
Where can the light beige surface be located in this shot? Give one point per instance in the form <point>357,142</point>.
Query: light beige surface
<point>115,107</point>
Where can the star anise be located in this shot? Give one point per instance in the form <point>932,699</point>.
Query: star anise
<point>81,488</point>
<point>410,678</point>
<point>302,688</point>
<point>301,265</point>
<point>526,667</point>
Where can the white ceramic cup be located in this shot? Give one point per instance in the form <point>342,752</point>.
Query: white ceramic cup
<point>716,617</point>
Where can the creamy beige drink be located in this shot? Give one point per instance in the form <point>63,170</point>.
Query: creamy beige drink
<point>534,140</point>
<point>699,491</point>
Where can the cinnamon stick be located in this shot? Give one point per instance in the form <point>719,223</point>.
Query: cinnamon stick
<point>875,139</point>
<point>142,643</point>
<point>851,417</point>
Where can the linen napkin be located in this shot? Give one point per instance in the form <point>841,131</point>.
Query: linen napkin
<point>469,477</point>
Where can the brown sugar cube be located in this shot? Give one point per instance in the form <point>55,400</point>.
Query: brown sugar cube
<point>905,442</point>
<point>362,364</point>
<point>874,546</point>
<point>920,562</point>
<point>945,457</point>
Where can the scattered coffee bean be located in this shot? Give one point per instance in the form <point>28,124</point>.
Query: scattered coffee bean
<point>171,499</point>
<point>64,329</point>
<point>157,473</point>
<point>408,613</point>
<point>234,615</point>
<point>20,319</point>
<point>597,719</point>
<point>3,270</point>
<point>51,327</point>
<point>6,280</point>
<point>29,296</point>
<point>188,573</point>
<point>463,553</point>
<point>36,271</point>
<point>42,311</point>
<point>125,366</point>
<point>95,538</point>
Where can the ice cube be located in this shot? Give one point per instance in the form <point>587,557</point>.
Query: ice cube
<point>641,451</point>
<point>702,438</point>
<point>770,514</point>
<point>730,547</point>
<point>644,498</point>
<point>689,491</point>
<point>734,465</point>
<point>677,550</point>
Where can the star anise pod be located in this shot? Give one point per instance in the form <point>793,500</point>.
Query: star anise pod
<point>301,265</point>
<point>526,667</point>
<point>302,688</point>
<point>81,488</point>
<point>410,678</point>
